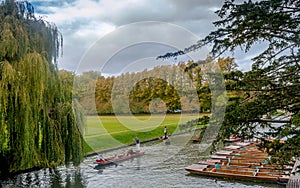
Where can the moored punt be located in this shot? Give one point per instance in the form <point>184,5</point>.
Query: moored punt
<point>253,169</point>
<point>224,152</point>
<point>241,152</point>
<point>237,173</point>
<point>165,140</point>
<point>232,147</point>
<point>241,156</point>
<point>240,164</point>
<point>195,140</point>
<point>210,161</point>
<point>242,160</point>
<point>119,158</point>
<point>254,157</point>
<point>247,148</point>
<point>243,144</point>
<point>233,139</point>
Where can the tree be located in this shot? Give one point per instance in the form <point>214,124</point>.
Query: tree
<point>272,86</point>
<point>38,125</point>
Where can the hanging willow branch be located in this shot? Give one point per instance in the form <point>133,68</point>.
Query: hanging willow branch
<point>38,127</point>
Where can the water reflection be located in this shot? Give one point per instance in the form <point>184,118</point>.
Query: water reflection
<point>138,163</point>
<point>56,177</point>
<point>100,168</point>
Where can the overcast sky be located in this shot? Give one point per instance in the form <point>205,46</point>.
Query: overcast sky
<point>86,23</point>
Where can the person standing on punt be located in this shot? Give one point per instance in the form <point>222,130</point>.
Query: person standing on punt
<point>165,132</point>
<point>137,143</point>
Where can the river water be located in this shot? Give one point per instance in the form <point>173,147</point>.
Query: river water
<point>161,166</point>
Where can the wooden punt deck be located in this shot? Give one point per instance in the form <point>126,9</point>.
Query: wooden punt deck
<point>244,165</point>
<point>241,161</point>
<point>241,174</point>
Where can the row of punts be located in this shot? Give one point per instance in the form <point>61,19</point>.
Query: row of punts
<point>242,161</point>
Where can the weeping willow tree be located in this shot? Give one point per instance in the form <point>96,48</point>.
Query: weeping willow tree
<point>38,126</point>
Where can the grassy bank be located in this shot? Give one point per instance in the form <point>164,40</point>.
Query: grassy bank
<point>104,132</point>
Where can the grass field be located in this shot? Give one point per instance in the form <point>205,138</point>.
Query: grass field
<point>103,132</point>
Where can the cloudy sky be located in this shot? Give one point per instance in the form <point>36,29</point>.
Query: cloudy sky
<point>139,26</point>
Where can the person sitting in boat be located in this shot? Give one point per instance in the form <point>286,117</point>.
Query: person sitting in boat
<point>129,152</point>
<point>217,166</point>
<point>116,156</point>
<point>266,161</point>
<point>100,158</point>
<point>260,165</point>
<point>254,173</point>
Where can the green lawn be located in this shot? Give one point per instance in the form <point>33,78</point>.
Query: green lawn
<point>103,132</point>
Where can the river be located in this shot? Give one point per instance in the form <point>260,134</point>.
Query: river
<point>161,166</point>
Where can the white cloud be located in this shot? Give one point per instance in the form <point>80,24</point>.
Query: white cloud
<point>83,22</point>
<point>95,29</point>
